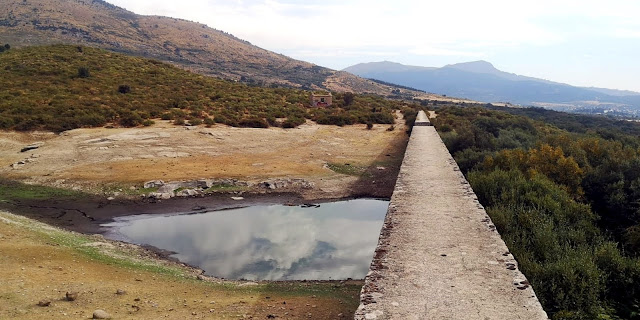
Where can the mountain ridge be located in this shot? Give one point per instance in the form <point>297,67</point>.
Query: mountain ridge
<point>481,81</point>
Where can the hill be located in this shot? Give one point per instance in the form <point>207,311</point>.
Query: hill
<point>480,80</point>
<point>62,87</point>
<point>190,45</point>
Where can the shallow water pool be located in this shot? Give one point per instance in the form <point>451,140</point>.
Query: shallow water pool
<point>327,241</point>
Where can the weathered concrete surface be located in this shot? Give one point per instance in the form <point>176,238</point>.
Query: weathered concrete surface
<point>439,256</point>
<point>422,120</point>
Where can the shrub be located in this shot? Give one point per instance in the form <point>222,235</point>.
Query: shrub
<point>253,123</point>
<point>83,72</point>
<point>179,122</point>
<point>292,122</point>
<point>148,122</point>
<point>124,88</point>
<point>130,119</point>
<point>348,98</point>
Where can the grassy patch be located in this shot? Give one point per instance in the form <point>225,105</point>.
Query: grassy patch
<point>225,188</point>
<point>81,244</point>
<point>12,190</point>
<point>341,291</point>
<point>347,168</point>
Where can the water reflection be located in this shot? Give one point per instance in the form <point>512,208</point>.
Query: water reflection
<point>333,241</point>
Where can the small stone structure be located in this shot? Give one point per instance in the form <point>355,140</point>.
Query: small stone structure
<point>439,256</point>
<point>321,100</point>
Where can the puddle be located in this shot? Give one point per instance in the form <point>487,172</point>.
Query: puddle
<point>329,241</point>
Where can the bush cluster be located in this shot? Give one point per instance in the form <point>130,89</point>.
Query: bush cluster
<point>51,88</point>
<point>566,202</point>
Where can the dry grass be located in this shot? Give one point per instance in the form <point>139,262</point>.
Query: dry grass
<point>90,157</point>
<point>43,263</point>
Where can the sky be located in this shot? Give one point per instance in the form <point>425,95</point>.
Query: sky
<point>580,42</point>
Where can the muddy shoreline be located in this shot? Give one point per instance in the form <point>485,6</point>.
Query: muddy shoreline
<point>86,215</point>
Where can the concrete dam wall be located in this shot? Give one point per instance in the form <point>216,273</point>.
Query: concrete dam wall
<point>439,256</point>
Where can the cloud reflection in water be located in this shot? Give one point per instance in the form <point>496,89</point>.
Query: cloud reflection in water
<point>334,241</point>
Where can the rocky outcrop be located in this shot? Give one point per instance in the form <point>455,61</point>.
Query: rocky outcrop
<point>191,188</point>
<point>286,183</point>
<point>22,163</point>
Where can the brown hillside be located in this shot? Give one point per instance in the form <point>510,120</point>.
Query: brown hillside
<point>191,45</point>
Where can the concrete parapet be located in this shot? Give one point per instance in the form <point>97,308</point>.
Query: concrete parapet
<point>439,256</point>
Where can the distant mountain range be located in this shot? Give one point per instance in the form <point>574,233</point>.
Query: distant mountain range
<point>190,45</point>
<point>481,81</point>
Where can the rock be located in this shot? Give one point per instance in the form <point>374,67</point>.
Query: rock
<point>71,296</point>
<point>111,198</point>
<point>153,184</point>
<point>237,198</point>
<point>286,183</point>
<point>161,195</point>
<point>120,292</point>
<point>32,146</point>
<point>101,314</point>
<point>16,165</point>
<point>44,303</point>
<point>187,193</point>
<point>204,183</point>
<point>169,187</point>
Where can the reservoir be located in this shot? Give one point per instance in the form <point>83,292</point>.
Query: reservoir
<point>327,241</point>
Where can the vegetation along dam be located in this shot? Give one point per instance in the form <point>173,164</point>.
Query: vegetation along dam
<point>439,256</point>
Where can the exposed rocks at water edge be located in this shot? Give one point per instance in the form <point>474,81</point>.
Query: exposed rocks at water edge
<point>171,189</point>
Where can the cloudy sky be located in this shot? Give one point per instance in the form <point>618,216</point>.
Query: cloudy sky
<point>581,42</point>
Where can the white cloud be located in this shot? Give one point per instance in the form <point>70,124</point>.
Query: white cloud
<point>435,51</point>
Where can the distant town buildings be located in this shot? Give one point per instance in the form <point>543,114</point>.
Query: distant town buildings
<point>321,99</point>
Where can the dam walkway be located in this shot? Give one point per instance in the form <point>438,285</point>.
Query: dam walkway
<point>439,256</point>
